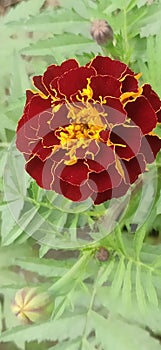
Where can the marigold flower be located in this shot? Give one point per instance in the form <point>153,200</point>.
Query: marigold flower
<point>88,131</point>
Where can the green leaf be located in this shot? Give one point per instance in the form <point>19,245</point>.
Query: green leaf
<point>140,294</point>
<point>127,286</point>
<point>150,290</point>
<point>139,239</point>
<point>55,22</point>
<point>44,267</point>
<point>113,333</point>
<point>23,10</point>
<point>64,328</point>
<point>118,279</point>
<point>64,46</point>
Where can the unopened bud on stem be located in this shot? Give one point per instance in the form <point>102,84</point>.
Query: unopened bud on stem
<point>30,306</point>
<point>101,31</point>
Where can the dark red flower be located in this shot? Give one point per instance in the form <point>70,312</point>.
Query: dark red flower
<point>88,131</point>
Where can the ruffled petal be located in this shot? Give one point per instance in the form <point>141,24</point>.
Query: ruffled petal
<point>55,71</point>
<point>75,174</point>
<point>102,181</point>
<point>38,83</point>
<point>40,171</point>
<point>129,83</point>
<point>151,145</point>
<point>78,81</point>
<point>50,140</point>
<point>142,114</point>
<point>152,97</point>
<point>104,158</point>
<point>127,140</point>
<point>74,193</point>
<point>133,168</point>
<point>40,151</point>
<point>107,66</point>
<point>116,114</point>
<point>101,197</point>
<point>105,86</point>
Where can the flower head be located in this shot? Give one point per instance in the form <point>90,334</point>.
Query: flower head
<point>88,131</point>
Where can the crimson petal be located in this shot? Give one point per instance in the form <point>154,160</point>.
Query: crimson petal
<point>142,114</point>
<point>129,83</point>
<point>107,66</point>
<point>105,86</point>
<point>37,80</point>
<point>151,145</point>
<point>115,111</point>
<point>40,171</point>
<point>102,181</point>
<point>133,168</point>
<point>152,97</point>
<point>75,174</point>
<point>127,140</point>
<point>75,80</point>
<point>55,71</point>
<point>117,192</point>
<point>75,193</point>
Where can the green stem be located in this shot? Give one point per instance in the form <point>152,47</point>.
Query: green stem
<point>71,275</point>
<point>125,37</point>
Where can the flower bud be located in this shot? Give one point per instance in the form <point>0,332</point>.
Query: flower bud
<point>101,31</point>
<point>102,254</point>
<point>30,306</point>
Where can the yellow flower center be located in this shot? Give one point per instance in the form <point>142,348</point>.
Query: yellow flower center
<point>85,125</point>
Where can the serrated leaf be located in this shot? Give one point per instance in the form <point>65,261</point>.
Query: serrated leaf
<point>61,329</point>
<point>127,287</point>
<point>139,239</point>
<point>118,279</point>
<point>105,272</point>
<point>57,23</point>
<point>23,10</point>
<point>140,294</point>
<point>65,46</point>
<point>113,333</point>
<point>44,267</point>
<point>150,290</point>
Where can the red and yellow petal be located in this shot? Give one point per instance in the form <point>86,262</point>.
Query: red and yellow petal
<point>55,71</point>
<point>127,140</point>
<point>116,113</point>
<point>152,97</point>
<point>102,160</point>
<point>151,145</point>
<point>142,114</point>
<point>74,193</point>
<point>107,66</point>
<point>40,171</point>
<point>117,192</point>
<point>104,180</point>
<point>133,168</point>
<point>75,174</point>
<point>38,83</point>
<point>129,83</point>
<point>78,81</point>
<point>105,86</point>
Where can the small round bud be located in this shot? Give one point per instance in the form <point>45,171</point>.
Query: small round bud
<point>30,306</point>
<point>102,254</point>
<point>101,31</point>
